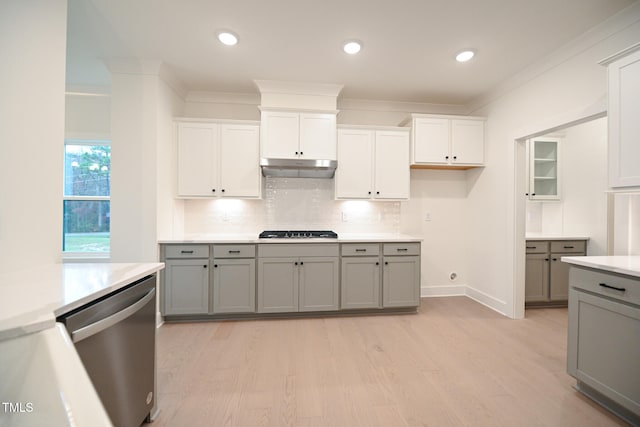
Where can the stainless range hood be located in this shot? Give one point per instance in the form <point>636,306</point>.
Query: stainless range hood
<point>298,168</point>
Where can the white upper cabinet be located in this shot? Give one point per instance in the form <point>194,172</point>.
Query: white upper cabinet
<point>544,168</point>
<point>624,126</point>
<point>446,142</point>
<point>218,160</point>
<point>297,135</point>
<point>372,164</point>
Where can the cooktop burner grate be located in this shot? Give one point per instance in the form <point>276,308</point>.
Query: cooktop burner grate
<point>298,234</point>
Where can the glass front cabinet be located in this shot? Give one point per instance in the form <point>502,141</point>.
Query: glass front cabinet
<point>544,168</point>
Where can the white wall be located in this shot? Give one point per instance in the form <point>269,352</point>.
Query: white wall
<point>87,116</point>
<point>32,84</point>
<point>570,88</point>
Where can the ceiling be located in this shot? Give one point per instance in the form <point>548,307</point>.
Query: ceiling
<point>408,53</point>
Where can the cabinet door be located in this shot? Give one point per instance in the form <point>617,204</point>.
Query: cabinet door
<point>603,347</point>
<point>240,165</point>
<point>401,281</point>
<point>354,176</point>
<point>234,285</point>
<point>391,170</point>
<point>431,141</point>
<point>319,285</point>
<point>544,164</point>
<point>467,142</point>
<point>186,286</point>
<point>559,278</point>
<point>280,135</point>
<point>317,136</point>
<point>536,282</point>
<point>624,126</point>
<point>360,284</point>
<point>277,285</point>
<point>197,159</point>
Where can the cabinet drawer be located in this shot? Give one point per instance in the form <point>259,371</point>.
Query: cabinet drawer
<point>593,281</point>
<point>569,246</point>
<point>187,251</point>
<point>362,249</point>
<point>234,251</point>
<point>537,247</point>
<point>401,249</point>
<point>297,250</point>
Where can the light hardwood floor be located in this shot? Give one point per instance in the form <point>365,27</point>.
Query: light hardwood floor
<point>455,363</point>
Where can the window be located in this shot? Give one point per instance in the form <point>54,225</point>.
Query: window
<point>86,206</point>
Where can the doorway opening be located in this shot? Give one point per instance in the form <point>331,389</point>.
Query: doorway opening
<point>578,209</point>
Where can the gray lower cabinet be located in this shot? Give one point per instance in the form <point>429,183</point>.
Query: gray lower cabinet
<point>401,275</point>
<point>603,351</point>
<point>360,282</point>
<point>319,284</point>
<point>546,276</point>
<point>401,281</point>
<point>234,286</point>
<point>185,280</point>
<point>234,279</point>
<point>298,277</point>
<point>277,285</point>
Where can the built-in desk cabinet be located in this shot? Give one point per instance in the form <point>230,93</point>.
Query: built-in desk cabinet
<point>547,277</point>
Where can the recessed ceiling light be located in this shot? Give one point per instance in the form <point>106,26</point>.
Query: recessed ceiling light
<point>227,37</point>
<point>465,55</point>
<point>352,46</point>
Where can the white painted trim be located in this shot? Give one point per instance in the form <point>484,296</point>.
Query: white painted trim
<point>487,300</point>
<point>223,98</point>
<point>218,121</point>
<point>298,88</point>
<point>624,52</point>
<point>443,291</point>
<point>373,127</point>
<point>347,104</point>
<point>297,110</point>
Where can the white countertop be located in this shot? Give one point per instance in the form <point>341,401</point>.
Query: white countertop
<point>30,300</point>
<point>622,264</point>
<point>540,236</point>
<point>253,238</point>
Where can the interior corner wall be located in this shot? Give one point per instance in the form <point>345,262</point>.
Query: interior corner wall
<point>170,211</point>
<point>32,83</point>
<point>134,104</point>
<point>566,89</point>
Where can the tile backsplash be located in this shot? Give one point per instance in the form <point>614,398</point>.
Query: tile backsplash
<point>291,203</point>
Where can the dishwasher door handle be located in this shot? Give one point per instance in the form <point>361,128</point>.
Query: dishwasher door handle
<point>99,326</point>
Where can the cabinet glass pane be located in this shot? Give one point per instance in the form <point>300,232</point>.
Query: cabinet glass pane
<point>545,168</point>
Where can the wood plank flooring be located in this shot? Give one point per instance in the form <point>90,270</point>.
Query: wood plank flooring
<point>455,363</point>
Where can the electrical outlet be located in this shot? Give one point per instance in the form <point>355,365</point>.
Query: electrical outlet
<point>427,216</point>
<point>345,217</point>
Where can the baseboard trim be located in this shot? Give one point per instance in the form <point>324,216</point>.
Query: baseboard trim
<point>443,291</point>
<point>487,300</point>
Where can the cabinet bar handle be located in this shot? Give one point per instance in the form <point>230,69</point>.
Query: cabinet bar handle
<point>186,252</point>
<point>568,247</point>
<point>531,247</point>
<point>234,252</point>
<point>554,259</point>
<point>361,250</point>
<point>402,249</point>
<point>604,285</point>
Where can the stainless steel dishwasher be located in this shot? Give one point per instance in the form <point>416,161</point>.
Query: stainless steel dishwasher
<point>115,338</point>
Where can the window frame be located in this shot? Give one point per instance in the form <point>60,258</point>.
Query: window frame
<point>76,256</point>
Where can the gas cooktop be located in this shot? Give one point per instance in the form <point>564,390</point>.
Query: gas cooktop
<point>298,234</point>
